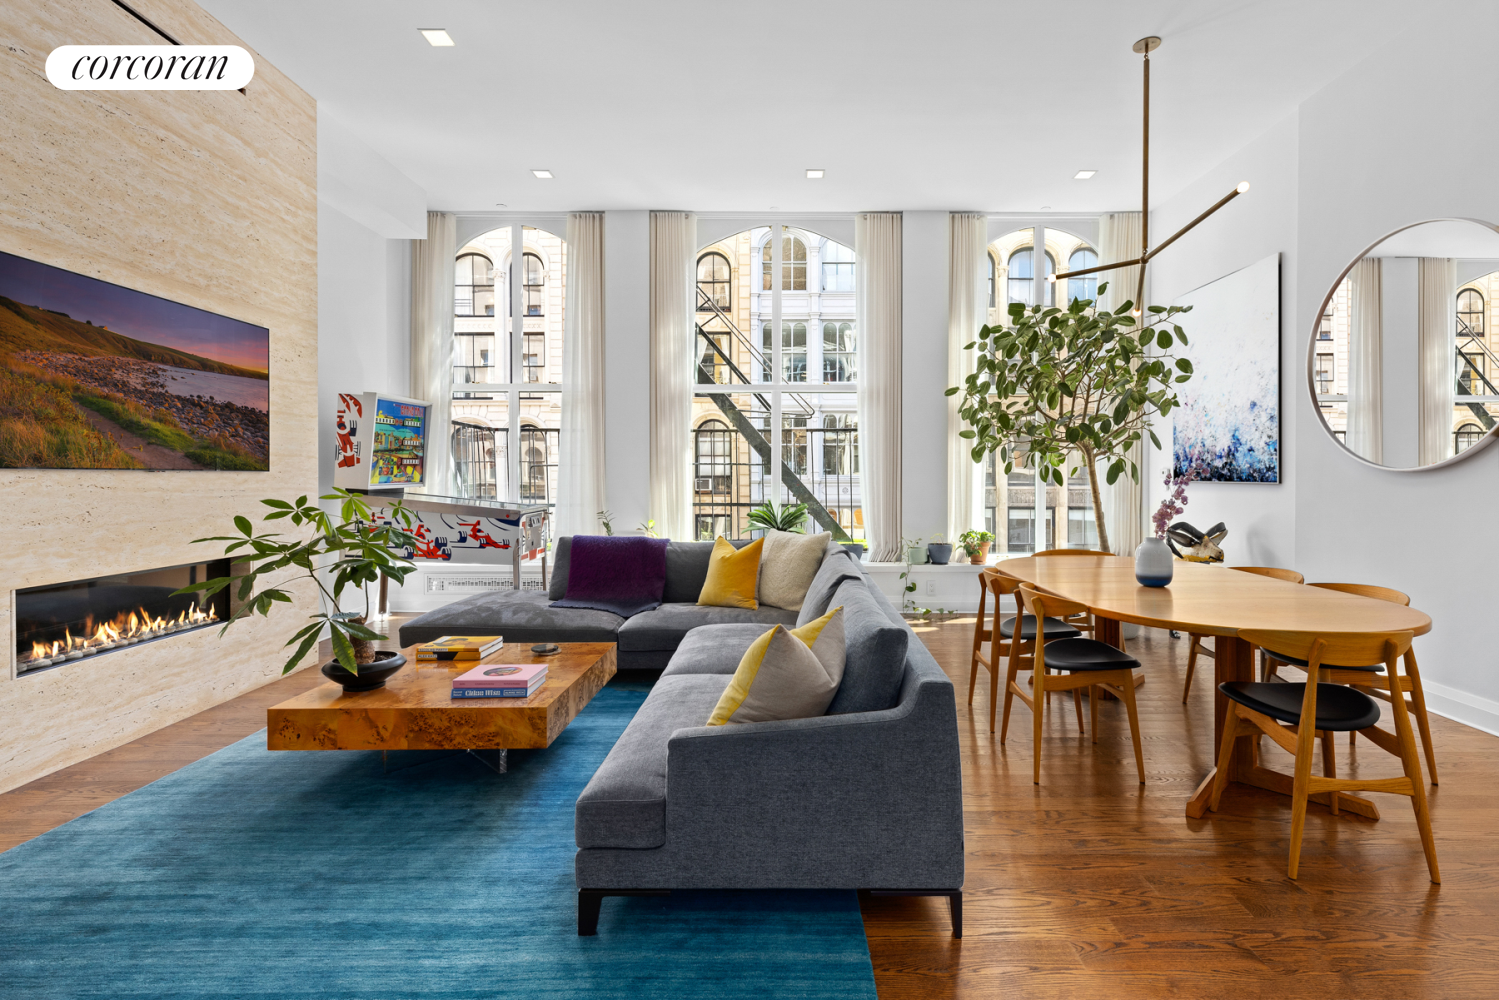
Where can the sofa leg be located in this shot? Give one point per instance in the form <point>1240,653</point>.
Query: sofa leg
<point>954,902</point>
<point>589,901</point>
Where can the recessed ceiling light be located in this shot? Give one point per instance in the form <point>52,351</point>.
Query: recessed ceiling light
<point>544,175</point>
<point>1046,208</point>
<point>814,175</point>
<point>1083,175</point>
<point>499,204</point>
<point>437,36</point>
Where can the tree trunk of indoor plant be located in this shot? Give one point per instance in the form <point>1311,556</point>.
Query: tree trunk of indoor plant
<point>364,649</point>
<point>1103,531</point>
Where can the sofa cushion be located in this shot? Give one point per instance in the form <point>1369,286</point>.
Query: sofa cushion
<point>687,569</point>
<point>785,675</point>
<point>624,804</point>
<point>788,562</point>
<point>837,566</point>
<point>561,561</point>
<point>732,575</point>
<point>524,617</point>
<point>713,649</point>
<point>665,627</point>
<point>876,652</point>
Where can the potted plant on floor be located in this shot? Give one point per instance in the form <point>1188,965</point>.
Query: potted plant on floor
<point>355,550</point>
<point>975,545</point>
<point>1077,384</point>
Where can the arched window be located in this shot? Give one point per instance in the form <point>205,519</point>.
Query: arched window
<point>1085,287</point>
<point>1022,278</point>
<point>992,269</point>
<point>713,446</point>
<point>1324,329</point>
<point>794,352</point>
<point>1470,313</point>
<point>1465,437</point>
<point>535,283</point>
<point>837,267</point>
<point>473,286</point>
<point>793,264</point>
<point>713,281</point>
<point>538,463</point>
<point>838,352</point>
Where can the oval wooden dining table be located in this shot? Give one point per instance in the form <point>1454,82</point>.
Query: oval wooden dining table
<point>1214,600</point>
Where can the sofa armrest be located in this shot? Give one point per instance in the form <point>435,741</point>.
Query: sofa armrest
<point>874,796</point>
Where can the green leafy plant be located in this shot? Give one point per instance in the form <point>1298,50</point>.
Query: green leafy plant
<point>353,550</point>
<point>606,518</point>
<point>1055,385</point>
<point>972,542</point>
<point>648,528</point>
<point>790,517</point>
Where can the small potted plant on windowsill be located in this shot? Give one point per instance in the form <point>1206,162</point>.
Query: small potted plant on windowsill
<point>354,550</point>
<point>938,552</point>
<point>975,545</point>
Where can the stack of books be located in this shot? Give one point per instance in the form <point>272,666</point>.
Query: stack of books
<point>459,647</point>
<point>501,680</point>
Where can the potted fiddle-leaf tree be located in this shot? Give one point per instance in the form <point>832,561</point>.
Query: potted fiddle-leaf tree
<point>1053,386</point>
<point>353,551</point>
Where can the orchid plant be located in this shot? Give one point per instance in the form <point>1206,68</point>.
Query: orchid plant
<point>1176,500</point>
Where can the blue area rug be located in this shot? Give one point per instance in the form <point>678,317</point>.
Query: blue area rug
<point>288,875</point>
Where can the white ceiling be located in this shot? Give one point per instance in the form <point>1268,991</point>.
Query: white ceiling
<point>949,104</point>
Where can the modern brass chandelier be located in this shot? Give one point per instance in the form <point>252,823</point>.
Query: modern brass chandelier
<point>1145,46</point>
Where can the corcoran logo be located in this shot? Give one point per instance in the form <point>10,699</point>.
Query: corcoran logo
<point>149,67</point>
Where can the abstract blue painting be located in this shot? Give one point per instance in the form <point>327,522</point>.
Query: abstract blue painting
<point>1229,421</point>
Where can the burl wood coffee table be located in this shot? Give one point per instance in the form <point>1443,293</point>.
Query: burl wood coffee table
<point>415,710</point>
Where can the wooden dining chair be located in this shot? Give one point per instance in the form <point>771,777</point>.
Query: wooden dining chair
<point>1293,714</point>
<point>1015,644</point>
<point>1197,649</point>
<point>1371,678</point>
<point>1080,663</point>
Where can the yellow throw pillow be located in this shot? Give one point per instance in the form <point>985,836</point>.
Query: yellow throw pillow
<point>786,675</point>
<point>732,575</point>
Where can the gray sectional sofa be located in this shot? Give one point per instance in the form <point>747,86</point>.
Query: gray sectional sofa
<point>868,796</point>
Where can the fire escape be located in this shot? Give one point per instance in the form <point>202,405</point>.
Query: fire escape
<point>733,375</point>
<point>1468,372</point>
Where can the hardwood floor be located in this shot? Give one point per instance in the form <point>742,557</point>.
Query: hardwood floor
<point>1092,884</point>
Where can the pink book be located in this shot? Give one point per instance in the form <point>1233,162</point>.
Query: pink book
<point>501,675</point>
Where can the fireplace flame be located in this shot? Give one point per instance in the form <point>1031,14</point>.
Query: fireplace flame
<point>125,629</point>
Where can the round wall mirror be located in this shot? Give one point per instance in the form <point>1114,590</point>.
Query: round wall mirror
<point>1404,360</point>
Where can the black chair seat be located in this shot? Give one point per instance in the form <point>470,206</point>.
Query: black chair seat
<point>1055,629</point>
<point>1087,654</point>
<point>1339,708</point>
<point>1377,668</point>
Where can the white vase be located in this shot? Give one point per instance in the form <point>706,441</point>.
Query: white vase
<point>1153,563</point>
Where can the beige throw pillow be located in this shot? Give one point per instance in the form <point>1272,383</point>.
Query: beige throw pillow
<point>788,562</point>
<point>786,675</point>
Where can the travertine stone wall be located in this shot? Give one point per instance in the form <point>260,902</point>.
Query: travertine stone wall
<point>207,198</point>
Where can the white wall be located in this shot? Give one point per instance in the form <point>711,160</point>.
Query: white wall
<point>1261,517</point>
<point>364,319</point>
<point>1391,142</point>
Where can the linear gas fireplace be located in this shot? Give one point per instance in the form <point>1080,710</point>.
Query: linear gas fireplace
<point>72,621</point>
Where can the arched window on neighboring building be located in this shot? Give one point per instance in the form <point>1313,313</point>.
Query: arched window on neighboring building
<point>534,283</point>
<point>713,281</point>
<point>793,264</point>
<point>473,286</point>
<point>538,463</point>
<point>1465,437</point>
<point>837,267</point>
<point>1022,278</point>
<point>1085,287</point>
<point>1470,313</point>
<point>839,352</point>
<point>713,446</point>
<point>993,268</point>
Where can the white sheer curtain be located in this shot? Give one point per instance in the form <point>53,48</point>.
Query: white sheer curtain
<point>580,472</point>
<point>877,283</point>
<point>1123,503</point>
<point>967,238</point>
<point>1437,343</point>
<point>673,249</point>
<point>1365,428</point>
<point>432,273</point>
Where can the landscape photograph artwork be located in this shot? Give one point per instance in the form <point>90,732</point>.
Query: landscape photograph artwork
<point>1228,426</point>
<point>98,376</point>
